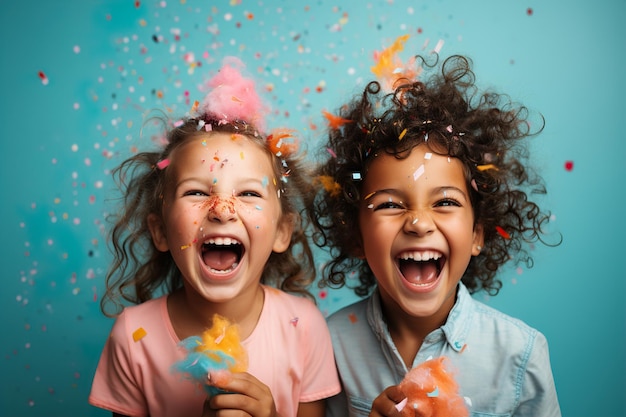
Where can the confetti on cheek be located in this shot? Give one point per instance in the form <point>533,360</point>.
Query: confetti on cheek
<point>428,156</point>
<point>503,232</point>
<point>241,155</point>
<point>294,321</point>
<point>569,165</point>
<point>418,172</point>
<point>139,334</point>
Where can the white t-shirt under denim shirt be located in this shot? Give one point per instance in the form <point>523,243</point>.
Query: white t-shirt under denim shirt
<point>501,364</point>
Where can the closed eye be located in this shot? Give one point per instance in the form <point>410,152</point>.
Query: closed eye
<point>448,202</point>
<point>195,193</point>
<point>250,193</point>
<point>388,205</point>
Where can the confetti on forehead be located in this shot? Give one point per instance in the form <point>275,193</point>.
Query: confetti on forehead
<point>418,172</point>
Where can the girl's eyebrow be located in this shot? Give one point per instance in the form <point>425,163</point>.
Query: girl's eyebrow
<point>445,189</point>
<point>383,191</point>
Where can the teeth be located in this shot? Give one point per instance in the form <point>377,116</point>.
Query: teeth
<point>222,241</point>
<point>224,271</point>
<point>421,256</point>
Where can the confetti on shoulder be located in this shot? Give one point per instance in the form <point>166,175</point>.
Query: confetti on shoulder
<point>139,334</point>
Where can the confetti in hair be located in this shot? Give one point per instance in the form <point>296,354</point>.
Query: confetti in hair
<point>329,184</point>
<point>281,142</point>
<point>389,68</point>
<point>335,122</point>
<point>233,96</point>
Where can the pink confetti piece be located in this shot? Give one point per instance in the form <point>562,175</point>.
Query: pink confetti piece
<point>400,406</point>
<point>569,165</point>
<point>331,152</point>
<point>163,163</point>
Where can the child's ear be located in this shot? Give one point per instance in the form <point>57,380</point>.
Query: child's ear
<point>157,230</point>
<point>478,241</point>
<point>283,233</point>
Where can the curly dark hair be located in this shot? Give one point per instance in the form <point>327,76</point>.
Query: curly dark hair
<point>139,271</point>
<point>485,131</point>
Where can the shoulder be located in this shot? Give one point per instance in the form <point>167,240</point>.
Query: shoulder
<point>137,320</point>
<point>349,318</point>
<point>505,333</point>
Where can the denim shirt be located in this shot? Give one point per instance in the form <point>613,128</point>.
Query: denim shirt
<point>502,365</point>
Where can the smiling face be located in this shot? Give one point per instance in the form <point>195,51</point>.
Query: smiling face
<point>417,229</point>
<point>221,216</point>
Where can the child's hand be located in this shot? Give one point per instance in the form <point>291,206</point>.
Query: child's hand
<point>388,403</point>
<point>247,397</point>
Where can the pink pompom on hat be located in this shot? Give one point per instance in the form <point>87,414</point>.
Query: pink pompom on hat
<point>233,97</point>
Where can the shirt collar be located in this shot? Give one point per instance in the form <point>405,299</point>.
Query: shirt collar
<point>455,329</point>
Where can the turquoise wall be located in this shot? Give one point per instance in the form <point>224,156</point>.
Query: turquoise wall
<point>77,77</point>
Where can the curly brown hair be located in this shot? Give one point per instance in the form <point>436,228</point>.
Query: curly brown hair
<point>485,131</point>
<point>139,271</point>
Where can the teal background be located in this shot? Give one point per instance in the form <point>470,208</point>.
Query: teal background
<point>105,69</point>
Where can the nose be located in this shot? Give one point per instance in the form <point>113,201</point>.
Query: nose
<point>418,223</point>
<point>221,209</point>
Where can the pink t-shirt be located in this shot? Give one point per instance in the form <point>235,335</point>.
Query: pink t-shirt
<point>289,351</point>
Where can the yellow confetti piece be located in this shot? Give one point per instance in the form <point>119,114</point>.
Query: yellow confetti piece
<point>486,167</point>
<point>139,334</point>
<point>402,134</point>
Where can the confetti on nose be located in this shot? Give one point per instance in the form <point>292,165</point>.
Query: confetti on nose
<point>418,172</point>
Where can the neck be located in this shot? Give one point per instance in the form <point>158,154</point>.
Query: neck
<point>191,314</point>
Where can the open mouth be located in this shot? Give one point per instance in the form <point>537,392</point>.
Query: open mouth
<point>222,255</point>
<point>421,268</point>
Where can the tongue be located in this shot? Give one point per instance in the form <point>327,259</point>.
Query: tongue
<point>419,272</point>
<point>220,260</point>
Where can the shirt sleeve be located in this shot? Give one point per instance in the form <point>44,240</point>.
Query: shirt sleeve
<point>115,386</point>
<point>320,379</point>
<point>538,397</point>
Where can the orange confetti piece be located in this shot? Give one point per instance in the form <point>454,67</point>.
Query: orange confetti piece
<point>335,122</point>
<point>389,67</point>
<point>503,232</point>
<point>196,103</point>
<point>486,167</point>
<point>139,334</point>
<point>329,185</point>
<point>278,146</point>
<point>352,318</point>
